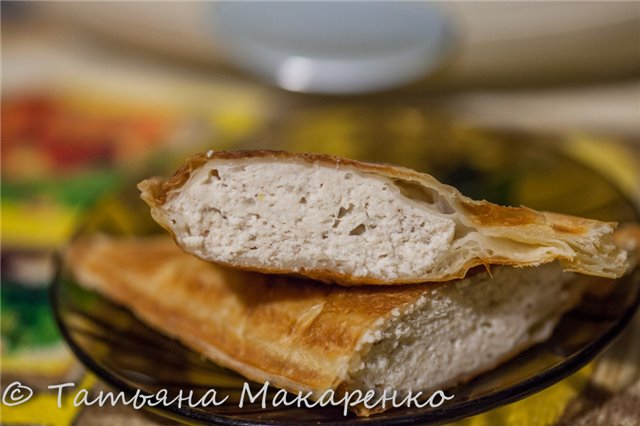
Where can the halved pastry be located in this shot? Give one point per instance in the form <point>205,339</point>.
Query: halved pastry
<point>352,223</point>
<point>306,336</point>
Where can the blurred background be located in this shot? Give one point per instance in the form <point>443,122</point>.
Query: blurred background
<point>97,94</point>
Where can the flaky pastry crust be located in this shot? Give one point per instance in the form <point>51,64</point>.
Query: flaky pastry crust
<point>582,245</point>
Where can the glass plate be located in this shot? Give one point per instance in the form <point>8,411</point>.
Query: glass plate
<point>504,168</point>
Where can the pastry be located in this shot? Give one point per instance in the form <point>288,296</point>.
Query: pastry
<point>302,335</point>
<point>351,223</point>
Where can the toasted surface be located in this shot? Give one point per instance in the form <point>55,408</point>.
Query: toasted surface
<point>355,223</point>
<point>301,335</point>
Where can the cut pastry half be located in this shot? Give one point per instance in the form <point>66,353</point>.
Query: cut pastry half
<point>354,223</point>
<point>305,336</point>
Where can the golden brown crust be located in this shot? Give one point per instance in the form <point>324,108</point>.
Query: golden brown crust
<point>297,334</point>
<point>582,245</point>
<point>486,214</point>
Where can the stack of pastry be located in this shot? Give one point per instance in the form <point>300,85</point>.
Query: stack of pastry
<point>316,273</point>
